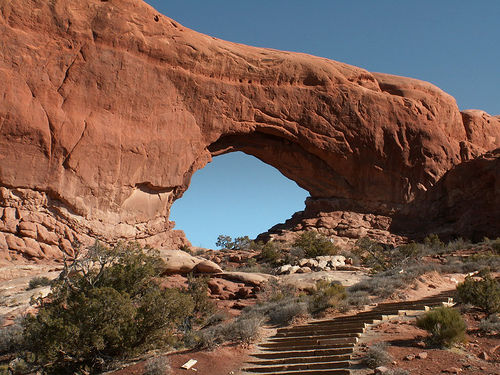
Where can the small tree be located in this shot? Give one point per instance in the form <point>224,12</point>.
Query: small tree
<point>314,244</point>
<point>106,304</point>
<point>372,254</point>
<point>445,325</point>
<point>224,242</point>
<point>270,252</point>
<point>327,294</point>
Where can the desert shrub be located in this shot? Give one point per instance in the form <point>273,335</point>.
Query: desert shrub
<point>11,338</point>
<point>274,291</point>
<point>434,244</point>
<point>105,305</point>
<point>491,324</point>
<point>157,366</point>
<point>198,290</point>
<point>398,371</point>
<point>243,329</point>
<point>38,282</point>
<point>484,293</point>
<point>314,244</point>
<point>354,300</point>
<point>457,244</point>
<point>287,311</point>
<point>327,294</point>
<point>372,254</point>
<point>18,366</point>
<point>270,252</point>
<point>445,325</point>
<point>385,284</point>
<point>377,355</point>
<point>239,243</point>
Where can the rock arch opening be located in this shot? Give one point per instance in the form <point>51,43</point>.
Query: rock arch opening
<point>237,195</point>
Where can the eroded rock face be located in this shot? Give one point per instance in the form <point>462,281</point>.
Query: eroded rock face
<point>108,108</point>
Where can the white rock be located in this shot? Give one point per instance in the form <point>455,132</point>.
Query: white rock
<point>322,264</point>
<point>284,269</point>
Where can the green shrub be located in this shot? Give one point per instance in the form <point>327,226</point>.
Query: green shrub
<point>327,294</point>
<point>38,282</point>
<point>445,325</point>
<point>270,253</point>
<point>377,355</point>
<point>314,244</point>
<point>198,291</point>
<point>484,293</point>
<point>105,305</point>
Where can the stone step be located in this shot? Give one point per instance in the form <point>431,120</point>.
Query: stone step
<point>324,331</point>
<point>334,325</point>
<point>311,343</point>
<point>310,346</point>
<point>300,367</point>
<point>303,353</point>
<point>308,372</point>
<point>326,336</point>
<point>309,359</point>
<point>325,347</point>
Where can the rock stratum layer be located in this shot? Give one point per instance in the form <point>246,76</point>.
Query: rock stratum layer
<point>107,109</point>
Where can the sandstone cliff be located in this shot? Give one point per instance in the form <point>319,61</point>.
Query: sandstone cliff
<point>108,108</point>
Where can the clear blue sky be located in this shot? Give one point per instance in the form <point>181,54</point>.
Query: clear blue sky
<point>454,44</point>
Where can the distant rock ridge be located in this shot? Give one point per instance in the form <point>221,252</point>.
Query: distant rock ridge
<point>108,108</point>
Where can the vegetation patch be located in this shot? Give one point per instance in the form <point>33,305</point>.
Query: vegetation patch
<point>445,325</point>
<point>483,293</point>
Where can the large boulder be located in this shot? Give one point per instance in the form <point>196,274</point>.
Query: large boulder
<point>108,108</point>
<point>180,262</point>
<point>251,278</point>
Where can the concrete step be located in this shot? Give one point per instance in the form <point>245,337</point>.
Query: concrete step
<point>326,336</point>
<point>329,325</point>
<point>310,359</point>
<point>312,332</point>
<point>310,343</point>
<point>309,372</point>
<point>300,367</point>
<point>303,353</point>
<point>297,346</point>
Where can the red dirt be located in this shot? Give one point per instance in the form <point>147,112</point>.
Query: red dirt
<point>404,338</point>
<point>224,360</point>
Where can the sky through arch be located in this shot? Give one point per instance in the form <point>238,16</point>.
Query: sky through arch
<point>238,195</point>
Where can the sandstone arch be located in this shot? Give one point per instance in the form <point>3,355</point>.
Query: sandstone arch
<point>108,109</point>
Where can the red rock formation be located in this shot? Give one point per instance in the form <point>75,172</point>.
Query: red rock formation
<point>108,108</point>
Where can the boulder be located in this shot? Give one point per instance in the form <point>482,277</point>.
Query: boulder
<point>207,266</point>
<point>178,261</point>
<point>251,278</point>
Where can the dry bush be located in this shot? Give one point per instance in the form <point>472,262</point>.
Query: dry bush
<point>377,355</point>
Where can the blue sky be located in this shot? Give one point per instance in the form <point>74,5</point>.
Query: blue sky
<point>453,44</point>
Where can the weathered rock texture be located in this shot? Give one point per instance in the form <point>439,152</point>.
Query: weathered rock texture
<point>108,108</point>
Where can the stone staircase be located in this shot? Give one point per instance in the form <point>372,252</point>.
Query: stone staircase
<point>325,347</point>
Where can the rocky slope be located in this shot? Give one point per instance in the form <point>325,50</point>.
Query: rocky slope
<point>108,108</point>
